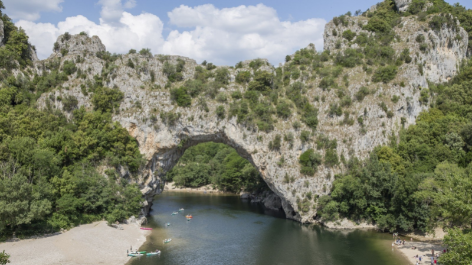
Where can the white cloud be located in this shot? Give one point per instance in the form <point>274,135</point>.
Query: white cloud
<point>222,36</point>
<point>227,35</point>
<point>30,9</point>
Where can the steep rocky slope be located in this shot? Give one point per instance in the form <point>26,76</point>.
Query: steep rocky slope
<point>164,130</point>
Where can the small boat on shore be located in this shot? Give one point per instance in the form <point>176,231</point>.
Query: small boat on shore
<point>153,253</point>
<point>146,228</point>
<point>174,213</point>
<point>167,240</point>
<point>137,253</point>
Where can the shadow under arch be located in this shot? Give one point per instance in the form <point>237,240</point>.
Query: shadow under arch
<point>166,159</point>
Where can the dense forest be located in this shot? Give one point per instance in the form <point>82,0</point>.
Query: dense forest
<point>48,163</point>
<point>216,164</point>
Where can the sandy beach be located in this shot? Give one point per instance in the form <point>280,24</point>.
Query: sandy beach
<point>422,249</point>
<point>95,243</point>
<point>169,186</point>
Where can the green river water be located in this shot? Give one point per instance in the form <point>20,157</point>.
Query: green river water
<point>228,230</point>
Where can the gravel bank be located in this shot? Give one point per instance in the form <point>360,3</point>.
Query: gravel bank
<point>95,243</point>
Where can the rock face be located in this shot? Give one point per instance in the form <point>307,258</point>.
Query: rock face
<point>164,131</point>
<point>77,45</point>
<point>402,5</point>
<point>2,33</point>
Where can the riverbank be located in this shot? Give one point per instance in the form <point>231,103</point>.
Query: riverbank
<point>170,186</point>
<point>95,243</point>
<point>423,249</point>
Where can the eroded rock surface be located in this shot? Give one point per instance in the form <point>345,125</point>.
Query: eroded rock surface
<point>162,142</point>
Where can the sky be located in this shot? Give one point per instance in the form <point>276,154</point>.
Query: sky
<point>220,31</point>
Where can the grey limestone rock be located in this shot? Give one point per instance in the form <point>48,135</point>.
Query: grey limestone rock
<point>2,33</point>
<point>146,101</point>
<point>402,5</point>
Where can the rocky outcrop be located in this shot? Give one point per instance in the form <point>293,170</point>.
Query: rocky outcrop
<point>2,33</point>
<point>77,45</point>
<point>402,5</point>
<point>164,131</point>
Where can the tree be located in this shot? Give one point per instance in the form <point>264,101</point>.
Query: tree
<point>106,99</point>
<point>459,248</point>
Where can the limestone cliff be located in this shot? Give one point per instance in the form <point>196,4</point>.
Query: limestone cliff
<point>163,141</point>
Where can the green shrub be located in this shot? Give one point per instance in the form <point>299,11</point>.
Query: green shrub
<point>169,118</point>
<point>350,58</point>
<point>349,35</point>
<point>362,93</point>
<point>276,143</point>
<point>309,161</point>
<point>262,81</point>
<point>220,112</point>
<point>145,52</point>
<point>243,77</point>
<point>335,109</point>
<point>180,96</point>
<point>69,103</point>
<point>222,75</point>
<point>420,38</point>
<point>305,136</point>
<point>69,67</point>
<point>395,98</point>
<point>385,74</point>
<point>237,95</point>
<point>331,158</point>
<point>284,109</point>
<point>106,99</point>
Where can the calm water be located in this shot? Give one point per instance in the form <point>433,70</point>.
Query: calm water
<point>227,230</point>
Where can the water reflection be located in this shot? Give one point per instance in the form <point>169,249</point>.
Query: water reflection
<point>226,230</point>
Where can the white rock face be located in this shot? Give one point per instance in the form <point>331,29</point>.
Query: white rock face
<point>402,5</point>
<point>163,143</point>
<point>2,33</point>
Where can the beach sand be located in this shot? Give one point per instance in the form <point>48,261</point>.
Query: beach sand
<point>95,243</point>
<point>422,249</point>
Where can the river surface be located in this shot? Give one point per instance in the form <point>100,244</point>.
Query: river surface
<point>228,230</point>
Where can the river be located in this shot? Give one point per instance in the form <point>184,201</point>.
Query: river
<point>228,230</point>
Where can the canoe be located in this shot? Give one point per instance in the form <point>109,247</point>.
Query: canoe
<point>153,253</point>
<point>146,228</point>
<point>189,217</point>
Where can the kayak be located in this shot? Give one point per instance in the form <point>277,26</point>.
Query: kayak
<point>135,255</point>
<point>153,253</point>
<point>146,228</point>
<point>181,209</point>
<point>139,252</point>
<point>174,213</point>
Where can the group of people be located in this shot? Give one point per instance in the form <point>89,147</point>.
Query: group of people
<point>434,257</point>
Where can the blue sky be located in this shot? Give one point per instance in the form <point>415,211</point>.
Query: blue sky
<point>220,31</point>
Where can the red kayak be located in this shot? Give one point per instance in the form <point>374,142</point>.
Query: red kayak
<point>146,228</point>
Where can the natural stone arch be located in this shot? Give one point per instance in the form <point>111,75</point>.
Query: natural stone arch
<point>146,83</point>
<point>165,156</point>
